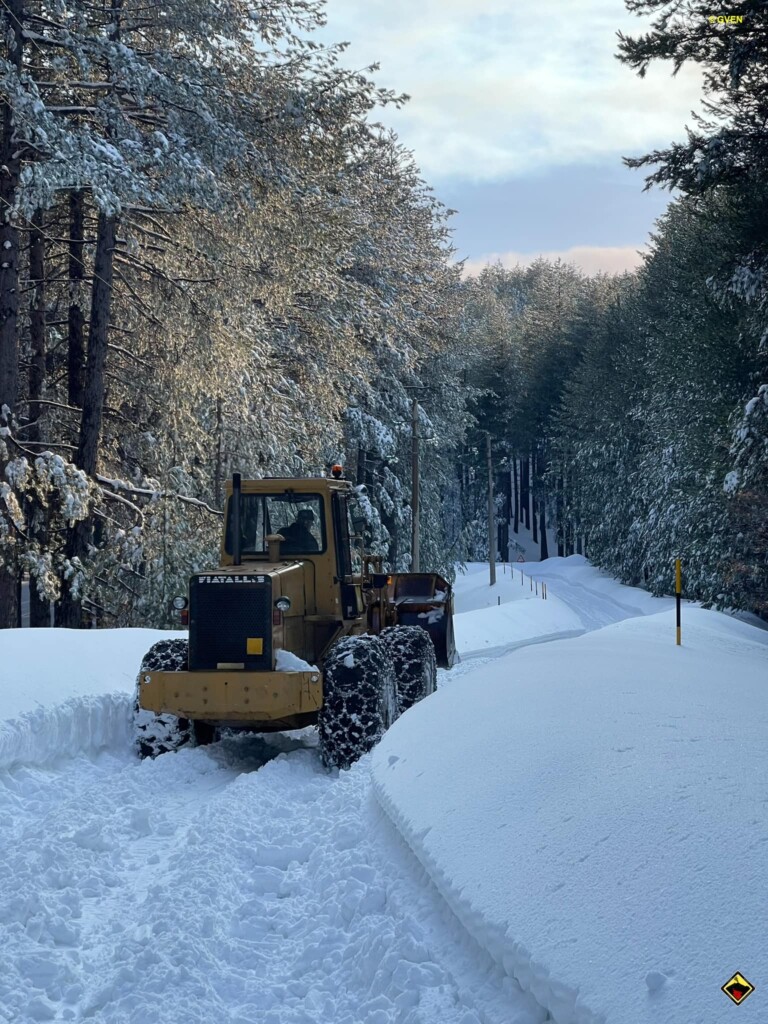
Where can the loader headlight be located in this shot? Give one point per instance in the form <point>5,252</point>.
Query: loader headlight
<point>283,604</point>
<point>179,603</point>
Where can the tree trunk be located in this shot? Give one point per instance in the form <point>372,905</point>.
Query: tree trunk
<point>560,518</point>
<point>101,298</point>
<point>516,497</point>
<point>506,484</point>
<point>76,326</point>
<point>12,16</point>
<point>534,502</point>
<point>567,525</point>
<point>9,235</point>
<point>390,525</point>
<point>218,482</point>
<point>543,528</point>
<point>525,496</point>
<point>70,607</point>
<point>36,326</point>
<point>39,609</point>
<point>491,513</point>
<point>93,404</point>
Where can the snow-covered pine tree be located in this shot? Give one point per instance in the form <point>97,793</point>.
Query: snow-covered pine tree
<point>724,156</point>
<point>12,32</point>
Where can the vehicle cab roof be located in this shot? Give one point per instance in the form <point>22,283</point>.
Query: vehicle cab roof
<point>303,485</point>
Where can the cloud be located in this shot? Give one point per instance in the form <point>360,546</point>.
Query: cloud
<point>591,259</point>
<point>502,88</point>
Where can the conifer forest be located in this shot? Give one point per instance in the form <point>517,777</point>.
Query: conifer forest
<point>215,257</point>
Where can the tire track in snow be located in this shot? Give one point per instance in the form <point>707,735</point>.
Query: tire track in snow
<point>599,610</point>
<point>216,884</point>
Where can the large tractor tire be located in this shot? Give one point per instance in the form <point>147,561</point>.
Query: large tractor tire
<point>161,734</point>
<point>413,656</point>
<point>359,699</point>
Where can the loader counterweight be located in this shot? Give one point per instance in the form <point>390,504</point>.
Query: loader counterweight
<point>232,698</point>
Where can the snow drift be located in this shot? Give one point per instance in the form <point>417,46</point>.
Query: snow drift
<point>594,811</point>
<point>67,691</point>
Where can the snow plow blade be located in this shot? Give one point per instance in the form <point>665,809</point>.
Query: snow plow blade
<point>425,599</point>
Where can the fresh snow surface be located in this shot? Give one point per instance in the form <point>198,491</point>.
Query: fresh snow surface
<point>63,691</point>
<point>285,661</point>
<point>485,626</point>
<point>513,612</point>
<point>595,810</point>
<point>242,883</point>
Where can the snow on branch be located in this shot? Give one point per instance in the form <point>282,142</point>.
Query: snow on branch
<point>152,494</point>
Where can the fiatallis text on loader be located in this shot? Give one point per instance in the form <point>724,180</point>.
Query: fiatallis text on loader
<point>298,626</point>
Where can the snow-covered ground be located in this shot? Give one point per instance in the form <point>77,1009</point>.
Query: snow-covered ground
<point>65,691</point>
<point>580,833</point>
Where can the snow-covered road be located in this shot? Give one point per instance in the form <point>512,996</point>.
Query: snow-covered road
<point>241,882</point>
<point>593,597</point>
<point>228,884</point>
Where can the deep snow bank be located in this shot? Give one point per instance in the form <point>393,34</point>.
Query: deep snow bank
<point>595,812</point>
<point>490,620</point>
<point>63,691</point>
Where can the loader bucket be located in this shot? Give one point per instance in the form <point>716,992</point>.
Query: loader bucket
<point>426,600</point>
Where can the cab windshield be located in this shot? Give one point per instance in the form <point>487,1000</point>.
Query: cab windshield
<point>298,517</point>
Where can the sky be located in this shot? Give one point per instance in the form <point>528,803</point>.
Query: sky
<point>519,118</point>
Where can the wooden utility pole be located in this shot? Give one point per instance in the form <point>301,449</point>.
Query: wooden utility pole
<point>12,28</point>
<point>415,485</point>
<point>491,513</point>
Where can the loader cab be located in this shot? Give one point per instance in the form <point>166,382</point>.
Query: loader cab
<point>299,517</point>
<point>348,561</point>
<point>315,516</point>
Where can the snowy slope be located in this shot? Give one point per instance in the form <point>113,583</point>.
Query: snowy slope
<point>512,613</point>
<point>599,822</point>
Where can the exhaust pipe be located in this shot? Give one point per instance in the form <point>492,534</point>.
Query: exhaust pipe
<point>236,536</point>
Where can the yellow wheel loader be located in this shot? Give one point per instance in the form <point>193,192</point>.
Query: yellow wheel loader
<point>297,626</point>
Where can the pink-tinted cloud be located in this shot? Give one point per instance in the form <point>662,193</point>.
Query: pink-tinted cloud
<point>591,259</point>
